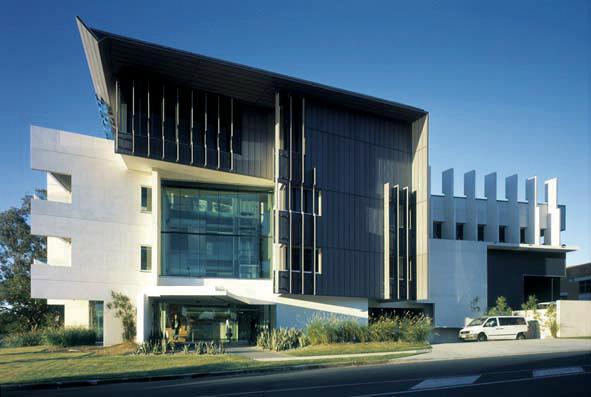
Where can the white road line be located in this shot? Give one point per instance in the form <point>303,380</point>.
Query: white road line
<point>434,383</point>
<point>538,373</point>
<point>498,382</point>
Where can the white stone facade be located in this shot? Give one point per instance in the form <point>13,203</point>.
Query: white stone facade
<point>95,228</point>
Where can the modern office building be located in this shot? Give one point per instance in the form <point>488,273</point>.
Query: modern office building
<point>228,196</point>
<point>225,196</point>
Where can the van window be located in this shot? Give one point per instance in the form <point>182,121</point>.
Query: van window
<point>520,321</point>
<point>506,321</point>
<point>492,322</point>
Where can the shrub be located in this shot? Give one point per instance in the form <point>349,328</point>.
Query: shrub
<point>279,339</point>
<point>500,308</point>
<point>408,328</point>
<point>415,329</point>
<point>71,336</point>
<point>530,304</point>
<point>334,330</point>
<point>551,320</point>
<point>126,312</point>
<point>22,339</point>
<point>385,329</point>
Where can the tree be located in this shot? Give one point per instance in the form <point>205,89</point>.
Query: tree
<point>500,309</point>
<point>126,312</point>
<point>18,248</point>
<point>530,304</point>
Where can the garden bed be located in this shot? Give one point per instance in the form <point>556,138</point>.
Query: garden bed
<point>356,348</point>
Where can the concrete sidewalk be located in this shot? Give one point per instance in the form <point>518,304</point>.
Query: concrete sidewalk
<point>442,351</point>
<point>463,350</point>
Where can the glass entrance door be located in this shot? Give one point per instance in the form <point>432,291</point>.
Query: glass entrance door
<point>231,323</point>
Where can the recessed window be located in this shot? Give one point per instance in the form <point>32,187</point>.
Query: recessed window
<point>146,258</point>
<point>502,238</point>
<point>296,263</point>
<point>459,231</point>
<point>146,199</point>
<point>308,259</point>
<point>480,232</point>
<point>522,235</point>
<point>437,230</point>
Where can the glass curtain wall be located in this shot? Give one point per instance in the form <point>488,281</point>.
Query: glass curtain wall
<point>216,233</point>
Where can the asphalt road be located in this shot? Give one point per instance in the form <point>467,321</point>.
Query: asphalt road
<point>551,374</point>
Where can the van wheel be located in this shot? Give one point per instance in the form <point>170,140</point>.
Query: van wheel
<point>520,336</point>
<point>482,337</point>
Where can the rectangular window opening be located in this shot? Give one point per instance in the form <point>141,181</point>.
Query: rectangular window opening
<point>459,231</point>
<point>146,199</point>
<point>146,258</point>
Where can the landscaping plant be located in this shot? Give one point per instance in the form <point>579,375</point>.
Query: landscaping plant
<point>279,339</point>
<point>500,309</point>
<point>70,336</point>
<point>551,321</point>
<point>126,312</point>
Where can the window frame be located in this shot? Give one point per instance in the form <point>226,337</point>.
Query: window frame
<point>148,208</point>
<point>149,261</point>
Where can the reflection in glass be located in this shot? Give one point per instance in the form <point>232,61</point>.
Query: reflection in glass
<point>211,233</point>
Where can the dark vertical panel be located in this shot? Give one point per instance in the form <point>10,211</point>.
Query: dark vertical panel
<point>355,154</point>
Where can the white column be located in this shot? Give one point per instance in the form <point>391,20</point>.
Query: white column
<point>552,233</point>
<point>532,234</point>
<point>156,227</point>
<point>387,241</point>
<point>448,229</point>
<point>140,331</point>
<point>491,230</point>
<point>471,226</point>
<point>512,230</point>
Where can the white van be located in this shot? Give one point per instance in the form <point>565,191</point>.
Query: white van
<point>495,327</point>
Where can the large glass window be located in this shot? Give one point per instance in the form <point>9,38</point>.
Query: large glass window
<point>216,233</point>
<point>95,319</point>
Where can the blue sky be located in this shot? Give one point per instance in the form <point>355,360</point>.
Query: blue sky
<point>507,83</point>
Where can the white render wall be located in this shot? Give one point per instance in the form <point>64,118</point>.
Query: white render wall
<point>457,271</point>
<point>103,220</point>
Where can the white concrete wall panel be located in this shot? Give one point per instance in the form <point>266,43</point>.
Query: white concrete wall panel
<point>491,231</point>
<point>471,222</point>
<point>511,221</point>
<point>552,233</point>
<point>104,222</point>
<point>573,318</point>
<point>458,272</point>
<point>448,229</point>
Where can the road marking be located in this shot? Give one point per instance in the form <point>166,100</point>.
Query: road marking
<point>498,382</point>
<point>538,373</point>
<point>434,383</point>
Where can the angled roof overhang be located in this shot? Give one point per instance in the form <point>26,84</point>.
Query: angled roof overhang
<point>110,55</point>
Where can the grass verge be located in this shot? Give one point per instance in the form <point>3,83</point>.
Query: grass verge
<point>43,364</point>
<point>356,348</point>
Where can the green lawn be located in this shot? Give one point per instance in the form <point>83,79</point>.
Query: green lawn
<point>356,348</point>
<point>42,364</point>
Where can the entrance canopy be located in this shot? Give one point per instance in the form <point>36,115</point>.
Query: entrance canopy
<point>203,294</point>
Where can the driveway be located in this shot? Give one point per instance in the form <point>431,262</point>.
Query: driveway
<point>451,351</point>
